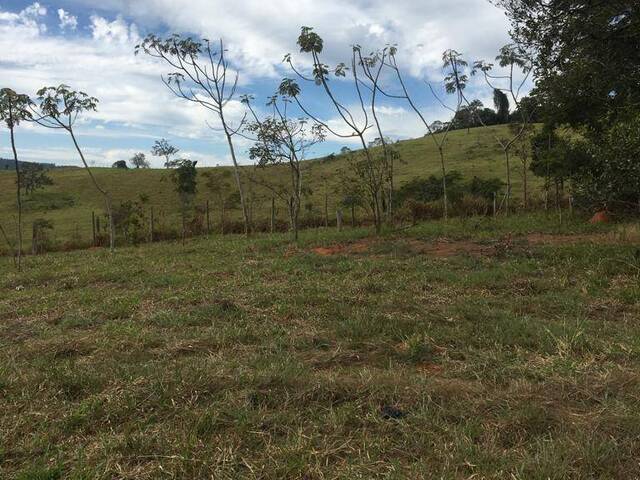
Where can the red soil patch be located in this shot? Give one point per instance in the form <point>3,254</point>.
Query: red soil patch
<point>600,217</point>
<point>349,248</point>
<point>444,248</point>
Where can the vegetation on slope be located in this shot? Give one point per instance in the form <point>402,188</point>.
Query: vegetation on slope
<point>71,200</point>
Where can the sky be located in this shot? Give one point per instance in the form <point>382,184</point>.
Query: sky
<point>89,45</point>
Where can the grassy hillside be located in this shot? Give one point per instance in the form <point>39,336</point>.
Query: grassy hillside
<point>71,200</point>
<point>509,350</point>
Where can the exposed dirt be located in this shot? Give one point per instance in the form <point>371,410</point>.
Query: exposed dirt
<point>444,248</point>
<point>361,246</point>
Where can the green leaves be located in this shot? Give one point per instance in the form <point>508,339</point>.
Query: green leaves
<point>14,107</point>
<point>309,41</point>
<point>62,101</point>
<point>289,87</point>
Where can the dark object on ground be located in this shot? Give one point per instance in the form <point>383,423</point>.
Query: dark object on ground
<point>389,411</point>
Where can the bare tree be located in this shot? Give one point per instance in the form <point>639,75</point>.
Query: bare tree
<point>14,108</point>
<point>281,139</point>
<point>513,59</point>
<point>201,76</point>
<point>371,170</point>
<point>452,62</point>
<point>59,108</point>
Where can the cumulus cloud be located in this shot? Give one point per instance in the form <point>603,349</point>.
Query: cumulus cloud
<point>133,102</point>
<point>67,20</point>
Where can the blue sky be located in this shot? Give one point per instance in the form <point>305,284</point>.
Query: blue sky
<point>89,45</point>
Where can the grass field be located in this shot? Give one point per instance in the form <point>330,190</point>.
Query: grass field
<point>475,348</point>
<point>69,203</point>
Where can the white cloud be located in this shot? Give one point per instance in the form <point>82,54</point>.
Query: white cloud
<point>67,20</point>
<point>133,102</point>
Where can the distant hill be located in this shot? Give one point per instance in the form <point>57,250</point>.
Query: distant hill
<point>70,202</point>
<point>8,164</point>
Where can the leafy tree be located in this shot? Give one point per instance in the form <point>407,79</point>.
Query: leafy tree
<point>34,177</point>
<point>201,75</point>
<point>607,173</point>
<point>162,148</point>
<point>59,108</point>
<point>185,182</point>
<point>139,160</point>
<point>217,183</point>
<point>120,164</point>
<point>14,108</point>
<point>586,56</point>
<point>501,102</point>
<point>283,140</point>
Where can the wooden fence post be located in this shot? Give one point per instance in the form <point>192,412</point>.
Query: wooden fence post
<point>151,226</point>
<point>494,204</point>
<point>222,218</point>
<point>273,214</point>
<point>208,219</point>
<point>326,210</point>
<point>93,227</point>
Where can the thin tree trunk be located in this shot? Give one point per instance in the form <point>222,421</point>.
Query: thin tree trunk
<point>445,198</point>
<point>18,197</point>
<point>105,194</point>
<point>508,197</point>
<point>525,186</point>
<point>236,171</point>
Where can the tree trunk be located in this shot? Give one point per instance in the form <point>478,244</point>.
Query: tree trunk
<point>353,216</point>
<point>18,198</point>
<point>525,194</point>
<point>236,171</point>
<point>508,196</point>
<point>105,194</point>
<point>445,198</point>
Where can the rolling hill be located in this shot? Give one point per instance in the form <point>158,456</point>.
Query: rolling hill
<point>69,203</point>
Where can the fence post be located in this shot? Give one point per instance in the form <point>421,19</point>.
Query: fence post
<point>571,205</point>
<point>339,219</point>
<point>494,204</point>
<point>151,225</point>
<point>273,214</point>
<point>326,210</point>
<point>93,227</point>
<point>208,219</point>
<point>222,218</point>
